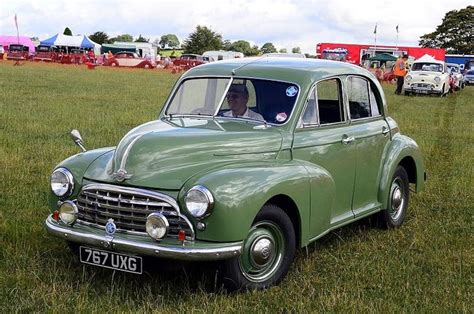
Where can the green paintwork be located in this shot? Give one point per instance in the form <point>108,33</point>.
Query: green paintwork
<point>245,164</point>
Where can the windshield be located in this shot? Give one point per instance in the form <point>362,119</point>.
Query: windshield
<point>42,49</point>
<point>453,69</point>
<point>16,48</point>
<point>424,66</point>
<point>253,99</point>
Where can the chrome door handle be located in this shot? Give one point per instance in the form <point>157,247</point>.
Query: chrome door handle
<point>347,139</point>
<point>385,130</point>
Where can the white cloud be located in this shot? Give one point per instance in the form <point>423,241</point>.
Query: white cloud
<point>286,23</point>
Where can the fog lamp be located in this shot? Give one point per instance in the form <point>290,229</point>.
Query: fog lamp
<point>157,226</point>
<point>68,212</point>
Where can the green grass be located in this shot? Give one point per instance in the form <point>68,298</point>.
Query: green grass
<point>427,265</point>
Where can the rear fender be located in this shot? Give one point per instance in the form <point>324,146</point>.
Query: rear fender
<point>403,150</point>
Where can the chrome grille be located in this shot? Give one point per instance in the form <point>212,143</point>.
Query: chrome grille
<point>129,208</point>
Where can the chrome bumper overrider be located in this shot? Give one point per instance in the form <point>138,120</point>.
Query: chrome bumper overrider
<point>135,244</point>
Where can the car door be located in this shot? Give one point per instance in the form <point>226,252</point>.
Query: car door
<point>324,140</point>
<point>371,134</point>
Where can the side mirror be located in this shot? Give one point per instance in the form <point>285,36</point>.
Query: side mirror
<point>77,138</point>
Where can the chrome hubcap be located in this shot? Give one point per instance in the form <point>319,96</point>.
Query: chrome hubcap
<point>397,199</point>
<point>261,252</point>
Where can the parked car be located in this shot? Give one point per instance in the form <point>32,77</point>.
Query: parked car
<point>129,59</point>
<point>427,76</point>
<point>249,160</point>
<point>188,61</point>
<point>46,53</point>
<point>469,77</point>
<point>18,52</point>
<point>456,76</point>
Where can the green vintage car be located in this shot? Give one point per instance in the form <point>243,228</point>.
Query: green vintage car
<point>249,160</point>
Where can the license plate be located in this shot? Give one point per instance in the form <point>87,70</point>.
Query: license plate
<point>422,91</point>
<point>111,260</point>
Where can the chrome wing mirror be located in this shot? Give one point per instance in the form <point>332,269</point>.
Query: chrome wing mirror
<point>77,138</point>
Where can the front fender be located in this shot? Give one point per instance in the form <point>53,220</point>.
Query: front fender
<point>400,148</point>
<point>77,165</point>
<point>240,191</point>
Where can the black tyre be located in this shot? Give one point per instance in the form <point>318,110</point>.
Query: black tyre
<point>73,247</point>
<point>394,215</point>
<point>267,253</point>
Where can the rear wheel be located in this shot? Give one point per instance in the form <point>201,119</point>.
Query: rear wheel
<point>394,215</point>
<point>267,253</point>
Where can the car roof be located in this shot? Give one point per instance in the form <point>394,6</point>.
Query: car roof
<point>298,70</point>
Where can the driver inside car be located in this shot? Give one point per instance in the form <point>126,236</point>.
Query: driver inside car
<point>237,98</point>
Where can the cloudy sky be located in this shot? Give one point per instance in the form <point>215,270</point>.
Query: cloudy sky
<point>285,23</point>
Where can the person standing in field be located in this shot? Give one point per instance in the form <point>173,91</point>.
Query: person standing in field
<point>400,71</point>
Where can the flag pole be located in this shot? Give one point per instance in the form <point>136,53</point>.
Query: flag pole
<point>17,32</point>
<point>375,38</point>
<point>396,43</point>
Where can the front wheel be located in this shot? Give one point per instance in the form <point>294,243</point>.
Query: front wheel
<point>267,253</point>
<point>394,215</point>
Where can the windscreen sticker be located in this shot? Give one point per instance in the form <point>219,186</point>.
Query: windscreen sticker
<point>291,91</point>
<point>280,117</point>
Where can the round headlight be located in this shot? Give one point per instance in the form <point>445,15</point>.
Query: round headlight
<point>408,78</point>
<point>437,79</point>
<point>62,182</point>
<point>199,201</point>
<point>68,212</point>
<point>157,226</point>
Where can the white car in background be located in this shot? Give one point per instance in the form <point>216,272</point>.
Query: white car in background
<point>427,76</point>
<point>456,76</point>
<point>469,77</point>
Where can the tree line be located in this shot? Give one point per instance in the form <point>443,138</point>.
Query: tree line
<point>455,34</point>
<point>200,40</point>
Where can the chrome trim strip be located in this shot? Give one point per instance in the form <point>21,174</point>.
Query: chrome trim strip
<point>188,251</point>
<point>127,150</point>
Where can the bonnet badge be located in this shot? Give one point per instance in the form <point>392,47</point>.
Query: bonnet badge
<point>110,227</point>
<point>121,175</point>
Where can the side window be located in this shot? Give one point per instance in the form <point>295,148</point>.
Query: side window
<point>374,108</point>
<point>358,95</point>
<point>329,101</point>
<point>309,116</point>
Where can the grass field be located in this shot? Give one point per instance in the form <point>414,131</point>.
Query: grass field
<point>425,266</point>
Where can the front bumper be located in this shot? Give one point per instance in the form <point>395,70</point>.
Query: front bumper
<point>143,245</point>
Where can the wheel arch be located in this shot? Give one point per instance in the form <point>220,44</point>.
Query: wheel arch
<point>288,205</point>
<point>405,152</point>
<point>410,166</point>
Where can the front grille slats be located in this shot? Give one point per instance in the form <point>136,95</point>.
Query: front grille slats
<point>132,201</point>
<point>109,206</point>
<point>129,208</point>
